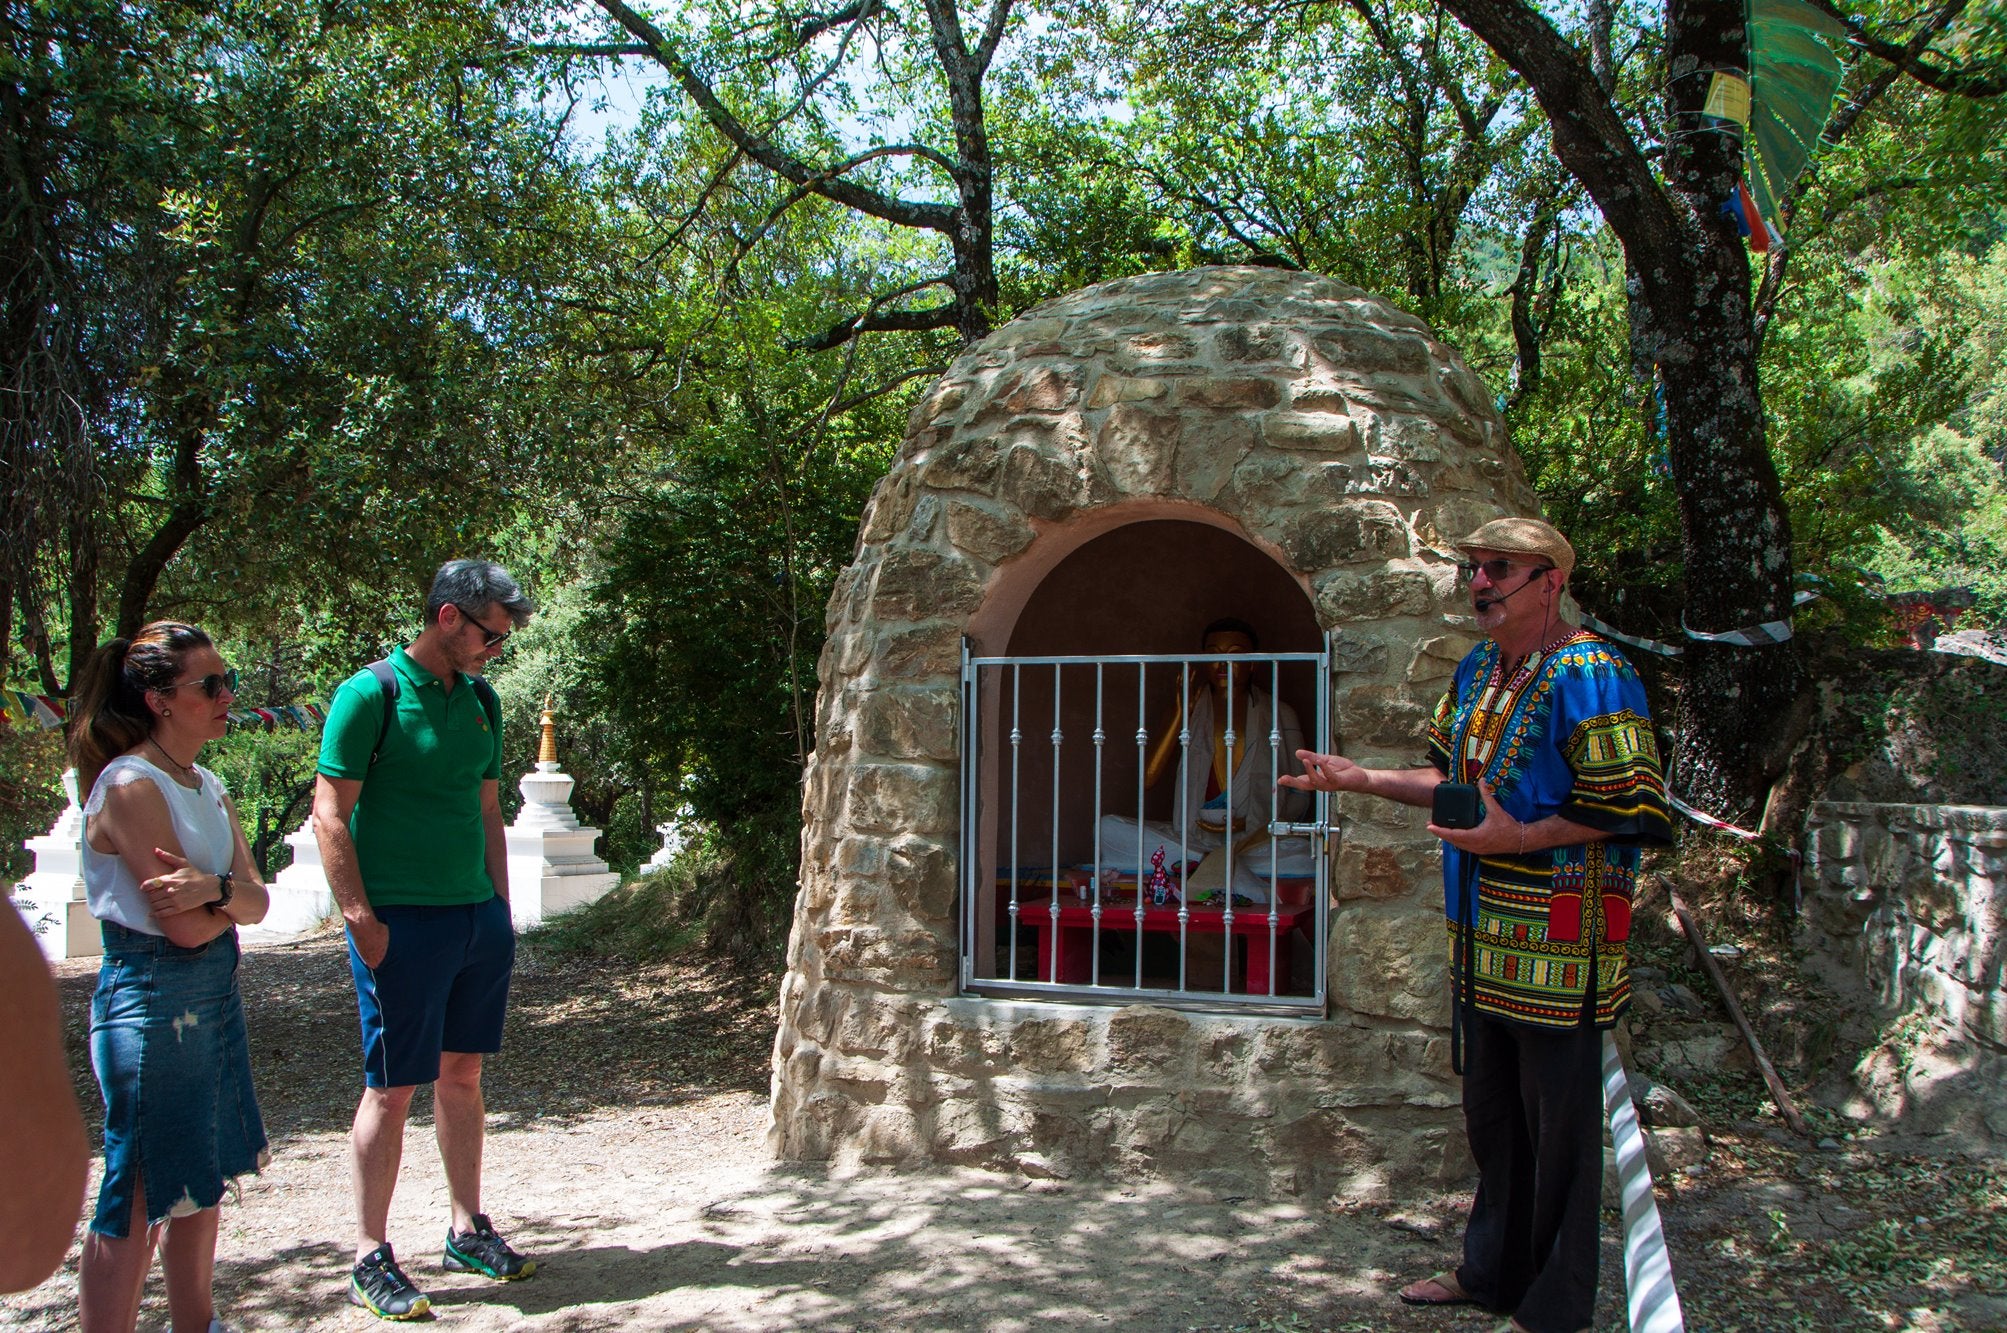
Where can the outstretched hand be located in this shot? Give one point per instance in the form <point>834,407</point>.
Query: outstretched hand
<point>1499,835</point>
<point>1325,772</point>
<point>182,889</point>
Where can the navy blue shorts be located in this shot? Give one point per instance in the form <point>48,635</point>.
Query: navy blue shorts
<point>443,985</point>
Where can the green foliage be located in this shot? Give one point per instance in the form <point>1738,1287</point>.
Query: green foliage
<point>705,623</point>
<point>701,897</point>
<point>270,776</point>
<point>324,291</point>
<point>353,303</point>
<point>31,792</point>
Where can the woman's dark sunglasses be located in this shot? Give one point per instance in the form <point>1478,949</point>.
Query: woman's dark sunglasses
<point>212,685</point>
<point>489,638</point>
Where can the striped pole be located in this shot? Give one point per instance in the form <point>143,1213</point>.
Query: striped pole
<point>1648,1279</point>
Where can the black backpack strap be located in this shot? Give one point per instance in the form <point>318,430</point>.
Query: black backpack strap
<point>386,683</point>
<point>490,704</point>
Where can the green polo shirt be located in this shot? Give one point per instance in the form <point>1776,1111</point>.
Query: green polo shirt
<point>417,824</point>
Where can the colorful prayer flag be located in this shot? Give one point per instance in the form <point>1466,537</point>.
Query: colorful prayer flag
<point>1794,70</point>
<point>1758,230</point>
<point>1727,97</point>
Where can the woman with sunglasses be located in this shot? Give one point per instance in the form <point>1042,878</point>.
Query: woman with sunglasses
<point>170,878</point>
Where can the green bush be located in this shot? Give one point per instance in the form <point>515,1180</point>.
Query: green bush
<point>727,896</point>
<point>31,792</point>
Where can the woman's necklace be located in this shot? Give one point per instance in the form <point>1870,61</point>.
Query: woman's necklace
<point>188,769</point>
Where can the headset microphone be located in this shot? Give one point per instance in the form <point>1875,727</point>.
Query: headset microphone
<point>1530,581</point>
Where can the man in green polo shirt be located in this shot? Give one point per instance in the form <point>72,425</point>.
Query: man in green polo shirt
<point>409,821</point>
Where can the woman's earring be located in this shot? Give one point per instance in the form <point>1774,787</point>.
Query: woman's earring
<point>167,712</point>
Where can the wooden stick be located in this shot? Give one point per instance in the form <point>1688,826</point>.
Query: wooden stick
<point>1785,1105</point>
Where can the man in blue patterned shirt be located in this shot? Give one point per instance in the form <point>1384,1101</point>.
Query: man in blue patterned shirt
<point>1550,723</point>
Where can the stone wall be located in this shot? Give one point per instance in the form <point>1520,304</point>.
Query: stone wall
<point>1909,903</point>
<point>1331,432</point>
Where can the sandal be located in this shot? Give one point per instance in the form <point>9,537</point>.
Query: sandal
<point>1442,1289</point>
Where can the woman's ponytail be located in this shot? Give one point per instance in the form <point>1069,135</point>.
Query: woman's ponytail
<point>108,712</point>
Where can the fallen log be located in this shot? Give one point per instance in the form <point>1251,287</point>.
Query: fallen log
<point>1785,1106</point>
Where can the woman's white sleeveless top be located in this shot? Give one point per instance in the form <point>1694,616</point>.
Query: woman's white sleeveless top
<point>201,823</point>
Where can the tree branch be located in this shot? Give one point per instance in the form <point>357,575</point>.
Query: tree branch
<point>1524,291</point>
<point>901,212</point>
<point>813,26</point>
<point>888,386</point>
<point>1602,20</point>
<point>993,32</point>
<point>603,50</point>
<point>875,319</point>
<point>1590,137</point>
<point>1907,56</point>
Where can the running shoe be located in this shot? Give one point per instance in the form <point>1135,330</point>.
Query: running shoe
<point>482,1251</point>
<point>379,1286</point>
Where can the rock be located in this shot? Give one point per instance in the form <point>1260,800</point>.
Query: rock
<point>1675,1149</point>
<point>1679,1000</point>
<point>1226,393</point>
<point>901,798</point>
<point>918,584</point>
<point>912,723</point>
<point>1655,1159</point>
<point>1661,1107</point>
<point>989,532</point>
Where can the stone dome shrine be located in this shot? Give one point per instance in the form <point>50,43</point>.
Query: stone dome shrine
<point>1025,938</point>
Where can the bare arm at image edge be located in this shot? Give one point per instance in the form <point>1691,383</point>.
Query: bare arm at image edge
<point>43,1154</point>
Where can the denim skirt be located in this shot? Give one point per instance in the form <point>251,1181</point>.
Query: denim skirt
<point>169,1050</point>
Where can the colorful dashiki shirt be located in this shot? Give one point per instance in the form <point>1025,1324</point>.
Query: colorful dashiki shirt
<point>1569,734</point>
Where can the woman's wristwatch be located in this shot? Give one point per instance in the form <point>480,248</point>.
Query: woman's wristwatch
<point>223,892</point>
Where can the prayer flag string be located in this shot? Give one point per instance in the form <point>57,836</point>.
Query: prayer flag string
<point>1750,636</point>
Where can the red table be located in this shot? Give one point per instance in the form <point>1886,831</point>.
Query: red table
<point>1076,936</point>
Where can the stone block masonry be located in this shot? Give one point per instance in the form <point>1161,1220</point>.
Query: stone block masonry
<point>1909,904</point>
<point>1334,435</point>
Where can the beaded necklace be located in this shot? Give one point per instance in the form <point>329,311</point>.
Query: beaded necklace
<point>1494,705</point>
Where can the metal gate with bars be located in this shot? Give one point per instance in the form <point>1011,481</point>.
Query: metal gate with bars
<point>1060,900</point>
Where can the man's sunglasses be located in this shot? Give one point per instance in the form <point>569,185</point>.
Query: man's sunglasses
<point>1496,570</point>
<point>212,685</point>
<point>489,638</point>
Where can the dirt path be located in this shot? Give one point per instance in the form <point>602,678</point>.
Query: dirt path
<point>626,1154</point>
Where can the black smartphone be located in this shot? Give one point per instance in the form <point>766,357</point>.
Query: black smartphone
<point>1457,805</point>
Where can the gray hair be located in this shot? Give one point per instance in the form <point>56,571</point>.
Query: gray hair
<point>476,585</point>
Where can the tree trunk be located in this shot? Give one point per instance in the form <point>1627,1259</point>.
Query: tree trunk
<point>1736,535</point>
<point>142,576</point>
<point>35,634</point>
<point>83,543</point>
<point>1697,326</point>
<point>974,276</point>
<point>1690,317</point>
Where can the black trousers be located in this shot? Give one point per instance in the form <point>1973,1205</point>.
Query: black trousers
<point>1533,1111</point>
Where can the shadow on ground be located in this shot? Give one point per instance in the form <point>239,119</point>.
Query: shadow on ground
<point>583,1034</point>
